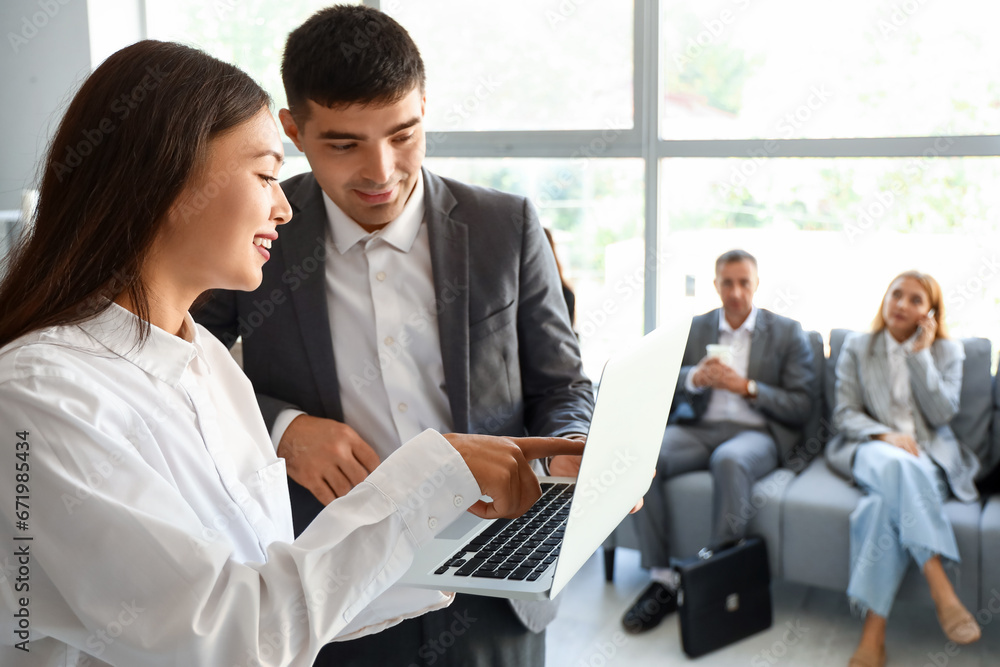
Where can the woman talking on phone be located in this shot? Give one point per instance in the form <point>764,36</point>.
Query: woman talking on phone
<point>144,514</point>
<point>897,389</point>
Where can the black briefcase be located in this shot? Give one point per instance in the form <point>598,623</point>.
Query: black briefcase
<point>724,596</point>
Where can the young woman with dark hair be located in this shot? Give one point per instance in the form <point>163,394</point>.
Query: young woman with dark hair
<point>149,512</point>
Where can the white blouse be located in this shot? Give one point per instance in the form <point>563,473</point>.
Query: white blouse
<point>146,520</point>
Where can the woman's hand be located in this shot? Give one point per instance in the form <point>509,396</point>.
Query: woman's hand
<point>900,440</point>
<point>500,465</point>
<point>927,329</point>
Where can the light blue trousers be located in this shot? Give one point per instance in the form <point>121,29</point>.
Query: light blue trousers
<point>901,517</point>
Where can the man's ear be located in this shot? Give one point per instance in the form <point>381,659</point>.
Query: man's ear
<point>290,127</point>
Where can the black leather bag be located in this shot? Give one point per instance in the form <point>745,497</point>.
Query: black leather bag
<point>724,596</point>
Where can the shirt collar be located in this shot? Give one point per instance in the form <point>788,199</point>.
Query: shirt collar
<point>400,233</point>
<point>163,355</point>
<point>748,324</point>
<point>895,347</point>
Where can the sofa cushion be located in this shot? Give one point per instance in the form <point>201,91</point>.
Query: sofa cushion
<point>815,527</point>
<point>975,412</point>
<point>689,497</point>
<point>813,440</point>
<point>837,337</point>
<point>991,461</point>
<point>989,562</point>
<point>815,539</point>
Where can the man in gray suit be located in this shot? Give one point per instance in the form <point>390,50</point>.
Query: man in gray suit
<point>397,301</point>
<point>742,394</point>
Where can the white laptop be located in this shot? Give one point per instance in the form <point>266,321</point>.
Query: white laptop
<point>534,557</point>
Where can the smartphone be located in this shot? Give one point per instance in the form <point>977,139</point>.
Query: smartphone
<point>930,314</point>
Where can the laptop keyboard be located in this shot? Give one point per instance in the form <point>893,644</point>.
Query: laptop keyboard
<point>521,548</point>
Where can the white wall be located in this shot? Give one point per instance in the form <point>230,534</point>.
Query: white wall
<point>44,55</point>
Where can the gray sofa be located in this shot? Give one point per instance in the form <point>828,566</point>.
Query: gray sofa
<point>802,509</point>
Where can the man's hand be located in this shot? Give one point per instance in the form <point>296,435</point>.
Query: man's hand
<point>901,440</point>
<point>500,465</point>
<point>325,456</point>
<point>712,372</point>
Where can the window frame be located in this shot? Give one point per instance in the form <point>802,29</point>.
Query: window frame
<point>643,141</point>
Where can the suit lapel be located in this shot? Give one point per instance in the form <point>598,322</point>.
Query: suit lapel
<point>449,240</point>
<point>878,379</point>
<point>306,237</point>
<point>757,343</point>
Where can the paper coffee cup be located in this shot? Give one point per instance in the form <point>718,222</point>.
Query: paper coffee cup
<point>723,353</point>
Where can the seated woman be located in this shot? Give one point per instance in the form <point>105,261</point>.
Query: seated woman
<point>897,389</point>
<point>149,514</point>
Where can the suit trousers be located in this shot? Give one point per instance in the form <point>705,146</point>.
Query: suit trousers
<point>737,455</point>
<point>900,517</point>
<point>474,631</point>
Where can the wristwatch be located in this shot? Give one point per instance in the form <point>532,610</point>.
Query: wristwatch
<point>752,388</point>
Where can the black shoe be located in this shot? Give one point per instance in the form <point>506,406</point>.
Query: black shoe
<point>655,604</point>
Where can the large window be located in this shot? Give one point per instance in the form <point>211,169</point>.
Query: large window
<point>840,143</point>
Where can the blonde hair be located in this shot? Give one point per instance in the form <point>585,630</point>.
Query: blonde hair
<point>933,291</point>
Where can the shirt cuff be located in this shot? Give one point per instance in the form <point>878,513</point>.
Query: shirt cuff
<point>448,488</point>
<point>689,384</point>
<point>281,423</point>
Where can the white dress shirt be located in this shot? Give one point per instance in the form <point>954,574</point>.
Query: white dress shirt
<point>383,321</point>
<point>724,405</point>
<point>900,394</point>
<point>158,520</point>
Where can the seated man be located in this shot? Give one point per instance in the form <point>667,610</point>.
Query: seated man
<point>742,394</point>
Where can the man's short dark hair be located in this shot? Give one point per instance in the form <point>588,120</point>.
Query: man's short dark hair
<point>734,256</point>
<point>349,54</point>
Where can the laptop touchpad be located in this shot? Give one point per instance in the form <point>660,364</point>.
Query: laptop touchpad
<point>460,527</point>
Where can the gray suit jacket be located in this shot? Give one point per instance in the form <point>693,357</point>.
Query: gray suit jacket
<point>511,360</point>
<point>781,363</point>
<point>863,406</point>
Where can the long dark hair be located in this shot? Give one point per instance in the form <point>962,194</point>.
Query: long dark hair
<point>131,138</point>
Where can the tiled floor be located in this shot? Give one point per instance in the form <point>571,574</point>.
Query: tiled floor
<point>588,633</point>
